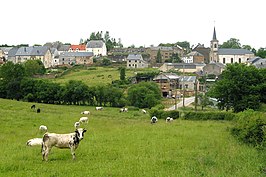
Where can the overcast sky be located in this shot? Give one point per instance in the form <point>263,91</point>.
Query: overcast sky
<point>138,22</point>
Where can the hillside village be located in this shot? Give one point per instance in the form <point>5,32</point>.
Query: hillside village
<point>200,61</point>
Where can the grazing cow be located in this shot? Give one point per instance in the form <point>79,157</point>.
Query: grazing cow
<point>169,119</point>
<point>34,142</point>
<point>33,107</point>
<point>84,120</point>
<point>85,112</point>
<point>154,120</point>
<point>43,128</point>
<point>77,125</point>
<point>99,108</point>
<point>38,110</point>
<point>123,110</point>
<point>70,140</point>
<point>144,111</point>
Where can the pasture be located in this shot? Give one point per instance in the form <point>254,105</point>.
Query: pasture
<point>121,144</point>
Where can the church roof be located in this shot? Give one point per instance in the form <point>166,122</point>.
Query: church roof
<point>214,34</point>
<point>233,52</point>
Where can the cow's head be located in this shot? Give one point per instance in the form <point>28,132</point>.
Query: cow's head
<point>80,133</point>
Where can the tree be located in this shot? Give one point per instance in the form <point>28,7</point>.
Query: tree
<point>232,43</point>
<point>159,57</point>
<point>248,47</point>
<point>261,53</point>
<point>239,88</point>
<point>184,44</point>
<point>33,67</point>
<point>106,61</point>
<point>122,73</point>
<point>144,95</point>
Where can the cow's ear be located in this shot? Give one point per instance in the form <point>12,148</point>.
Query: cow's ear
<point>76,131</point>
<point>84,130</point>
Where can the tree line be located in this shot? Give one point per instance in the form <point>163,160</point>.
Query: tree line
<point>17,83</point>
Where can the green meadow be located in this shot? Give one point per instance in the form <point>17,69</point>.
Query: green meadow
<point>121,144</point>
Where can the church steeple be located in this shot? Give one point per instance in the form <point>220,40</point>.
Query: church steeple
<point>214,47</point>
<point>214,34</point>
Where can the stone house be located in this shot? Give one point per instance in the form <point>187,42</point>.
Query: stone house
<point>168,83</point>
<point>73,58</point>
<point>187,67</point>
<point>136,61</point>
<point>194,57</point>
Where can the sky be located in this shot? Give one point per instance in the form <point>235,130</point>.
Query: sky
<point>138,22</point>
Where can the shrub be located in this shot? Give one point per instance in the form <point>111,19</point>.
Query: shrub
<point>208,115</point>
<point>250,127</point>
<point>161,114</point>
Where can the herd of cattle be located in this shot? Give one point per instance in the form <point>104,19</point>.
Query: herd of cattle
<point>71,140</point>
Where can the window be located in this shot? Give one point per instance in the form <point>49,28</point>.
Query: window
<point>136,61</point>
<point>129,65</point>
<point>239,60</point>
<point>223,60</point>
<point>129,60</point>
<point>232,60</point>
<point>186,86</point>
<point>215,45</point>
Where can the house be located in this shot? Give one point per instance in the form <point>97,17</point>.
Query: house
<point>188,84</point>
<point>97,47</point>
<point>55,56</point>
<point>213,69</point>
<point>77,48</point>
<point>168,83</point>
<point>226,55</point>
<point>257,62</point>
<point>166,52</point>
<point>4,52</point>
<point>194,57</point>
<point>205,51</point>
<point>136,61</point>
<point>34,53</point>
<point>73,58</point>
<point>12,54</point>
<point>182,67</point>
<point>63,48</point>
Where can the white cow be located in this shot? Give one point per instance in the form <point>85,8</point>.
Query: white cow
<point>84,120</point>
<point>43,128</point>
<point>143,111</point>
<point>123,110</point>
<point>77,125</point>
<point>70,140</point>
<point>85,112</point>
<point>169,120</point>
<point>34,142</point>
<point>154,119</point>
<point>99,108</point>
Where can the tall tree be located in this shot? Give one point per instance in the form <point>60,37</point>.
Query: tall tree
<point>159,57</point>
<point>232,43</point>
<point>261,53</point>
<point>122,73</point>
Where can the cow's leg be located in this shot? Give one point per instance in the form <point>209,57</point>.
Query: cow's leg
<point>72,149</point>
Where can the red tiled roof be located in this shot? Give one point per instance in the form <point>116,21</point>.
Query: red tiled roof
<point>80,47</point>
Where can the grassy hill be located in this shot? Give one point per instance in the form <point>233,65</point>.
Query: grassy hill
<point>97,75</point>
<point>121,144</point>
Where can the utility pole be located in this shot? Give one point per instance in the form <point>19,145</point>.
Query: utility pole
<point>196,94</point>
<point>183,85</point>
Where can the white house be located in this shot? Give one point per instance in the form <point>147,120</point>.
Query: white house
<point>97,47</point>
<point>136,61</point>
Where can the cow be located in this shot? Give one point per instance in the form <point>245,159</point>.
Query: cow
<point>70,140</point>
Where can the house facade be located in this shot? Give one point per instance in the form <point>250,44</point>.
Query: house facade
<point>22,54</point>
<point>227,56</point>
<point>77,48</point>
<point>168,83</point>
<point>72,58</point>
<point>136,61</point>
<point>193,57</point>
<point>97,47</point>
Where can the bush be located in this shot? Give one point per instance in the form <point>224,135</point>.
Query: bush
<point>250,127</point>
<point>161,114</point>
<point>208,115</point>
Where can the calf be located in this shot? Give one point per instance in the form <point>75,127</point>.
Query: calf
<point>84,120</point>
<point>70,140</point>
<point>38,110</point>
<point>123,110</point>
<point>85,112</point>
<point>169,119</point>
<point>99,108</point>
<point>43,128</point>
<point>34,142</point>
<point>33,107</point>
<point>154,120</point>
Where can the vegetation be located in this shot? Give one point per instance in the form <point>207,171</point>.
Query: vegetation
<point>241,87</point>
<point>122,144</point>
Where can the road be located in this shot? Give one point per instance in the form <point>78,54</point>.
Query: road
<point>187,102</point>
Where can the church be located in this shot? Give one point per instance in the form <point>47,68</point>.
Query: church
<point>227,55</point>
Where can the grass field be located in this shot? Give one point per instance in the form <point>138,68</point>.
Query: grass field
<point>121,144</point>
<point>97,75</point>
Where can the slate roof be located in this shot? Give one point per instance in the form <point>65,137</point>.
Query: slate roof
<point>32,51</point>
<point>63,47</point>
<point>188,78</point>
<point>233,51</point>
<point>166,76</point>
<point>76,54</point>
<point>186,65</point>
<point>95,44</point>
<point>195,53</point>
<point>12,52</point>
<point>134,57</point>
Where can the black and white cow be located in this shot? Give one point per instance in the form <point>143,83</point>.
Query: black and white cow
<point>70,140</point>
<point>154,119</point>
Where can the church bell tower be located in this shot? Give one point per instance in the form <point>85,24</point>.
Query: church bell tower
<point>214,48</point>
